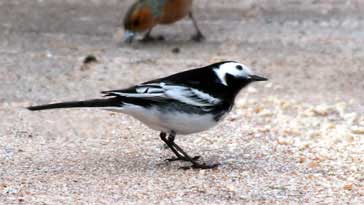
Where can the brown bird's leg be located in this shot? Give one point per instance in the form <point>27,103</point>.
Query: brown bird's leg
<point>182,155</point>
<point>148,38</point>
<point>198,36</point>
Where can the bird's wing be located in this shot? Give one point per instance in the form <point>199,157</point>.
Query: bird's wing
<point>190,96</point>
<point>163,92</point>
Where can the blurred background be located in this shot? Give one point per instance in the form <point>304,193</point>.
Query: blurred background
<point>297,138</point>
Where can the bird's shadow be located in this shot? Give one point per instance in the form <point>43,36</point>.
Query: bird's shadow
<point>109,164</point>
<point>119,163</point>
<point>137,44</point>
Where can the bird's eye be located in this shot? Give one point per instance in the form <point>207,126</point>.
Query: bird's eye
<point>239,67</point>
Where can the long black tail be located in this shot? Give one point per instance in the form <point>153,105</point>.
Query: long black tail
<point>108,102</point>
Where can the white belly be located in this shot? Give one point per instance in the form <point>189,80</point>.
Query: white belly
<point>180,123</point>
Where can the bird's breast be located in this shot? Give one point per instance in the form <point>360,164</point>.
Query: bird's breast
<point>187,123</point>
<point>167,119</point>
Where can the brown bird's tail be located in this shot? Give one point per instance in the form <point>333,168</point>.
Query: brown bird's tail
<point>108,102</point>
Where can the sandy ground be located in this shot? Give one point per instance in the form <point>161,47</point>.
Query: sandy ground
<point>297,139</point>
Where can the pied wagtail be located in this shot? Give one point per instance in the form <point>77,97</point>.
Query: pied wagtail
<point>184,103</point>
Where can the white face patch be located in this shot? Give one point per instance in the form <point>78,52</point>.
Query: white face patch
<point>235,69</point>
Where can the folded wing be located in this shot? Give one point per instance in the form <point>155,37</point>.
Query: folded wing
<point>165,92</point>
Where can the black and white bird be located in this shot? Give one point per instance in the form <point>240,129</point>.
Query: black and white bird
<point>184,103</point>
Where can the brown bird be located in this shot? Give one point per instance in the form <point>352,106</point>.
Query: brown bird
<point>144,15</point>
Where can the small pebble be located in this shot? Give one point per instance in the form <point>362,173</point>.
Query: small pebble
<point>90,59</point>
<point>348,187</point>
<point>176,50</point>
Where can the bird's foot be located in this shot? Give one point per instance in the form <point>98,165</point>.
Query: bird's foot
<point>200,166</point>
<point>148,39</point>
<point>182,159</point>
<point>198,37</point>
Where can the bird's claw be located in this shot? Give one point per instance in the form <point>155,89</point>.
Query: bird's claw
<point>182,159</point>
<point>198,37</point>
<point>200,166</point>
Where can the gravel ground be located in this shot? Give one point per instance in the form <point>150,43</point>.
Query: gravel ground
<point>297,139</point>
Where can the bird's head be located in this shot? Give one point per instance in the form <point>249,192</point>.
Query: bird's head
<point>139,18</point>
<point>235,75</point>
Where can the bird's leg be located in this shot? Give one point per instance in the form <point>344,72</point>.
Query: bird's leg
<point>163,137</point>
<point>148,38</point>
<point>195,164</point>
<point>198,36</point>
<point>171,137</point>
<point>178,157</point>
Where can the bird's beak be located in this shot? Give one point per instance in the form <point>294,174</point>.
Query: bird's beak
<point>257,78</point>
<point>128,36</point>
